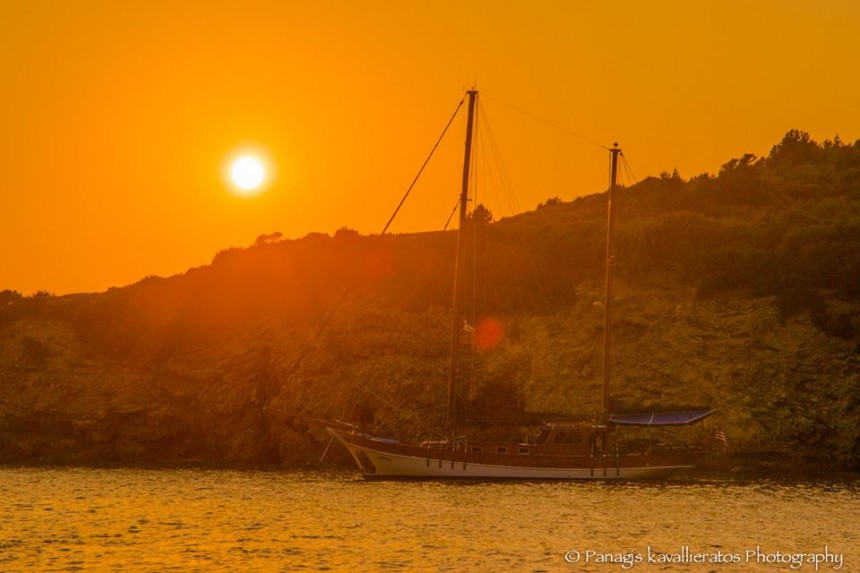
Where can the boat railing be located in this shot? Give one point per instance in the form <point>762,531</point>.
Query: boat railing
<point>437,444</point>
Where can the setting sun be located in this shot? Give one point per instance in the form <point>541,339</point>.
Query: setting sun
<point>338,102</point>
<point>248,174</point>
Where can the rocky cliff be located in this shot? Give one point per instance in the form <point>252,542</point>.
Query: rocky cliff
<point>739,291</point>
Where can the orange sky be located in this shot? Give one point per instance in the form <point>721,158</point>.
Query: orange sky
<point>117,117</point>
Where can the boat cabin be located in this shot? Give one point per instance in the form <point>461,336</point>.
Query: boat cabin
<point>577,437</point>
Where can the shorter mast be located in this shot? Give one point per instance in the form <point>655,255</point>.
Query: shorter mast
<point>457,322</point>
<point>610,260</point>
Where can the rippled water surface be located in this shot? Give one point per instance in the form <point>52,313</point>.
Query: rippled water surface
<point>204,520</point>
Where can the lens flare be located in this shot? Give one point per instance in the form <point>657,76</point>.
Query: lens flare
<point>489,334</point>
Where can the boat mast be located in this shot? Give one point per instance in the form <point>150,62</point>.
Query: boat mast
<point>459,269</point>
<point>610,259</point>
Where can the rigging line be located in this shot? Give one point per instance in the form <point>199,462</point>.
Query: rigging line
<point>546,122</point>
<point>487,141</point>
<point>391,220</point>
<point>327,319</point>
<point>318,334</point>
<point>628,168</point>
<point>420,171</point>
<point>471,313</point>
<point>451,216</point>
<point>504,176</point>
<point>493,183</point>
<point>609,173</point>
<point>473,181</point>
<point>474,225</point>
<point>365,387</point>
<point>538,289</point>
<point>363,382</point>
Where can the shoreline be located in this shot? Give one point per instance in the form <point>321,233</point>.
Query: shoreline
<point>716,472</point>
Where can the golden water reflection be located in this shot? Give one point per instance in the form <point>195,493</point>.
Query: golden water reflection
<point>205,520</point>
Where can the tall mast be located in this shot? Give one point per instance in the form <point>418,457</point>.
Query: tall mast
<point>610,260</point>
<point>457,324</point>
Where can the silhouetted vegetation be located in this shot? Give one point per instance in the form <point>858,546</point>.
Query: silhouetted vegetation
<point>355,327</point>
<point>551,202</point>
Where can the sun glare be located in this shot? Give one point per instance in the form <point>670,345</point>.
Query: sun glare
<point>248,174</point>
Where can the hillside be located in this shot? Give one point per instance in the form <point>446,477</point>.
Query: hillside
<point>739,290</point>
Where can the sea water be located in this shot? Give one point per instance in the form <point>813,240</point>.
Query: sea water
<point>211,520</point>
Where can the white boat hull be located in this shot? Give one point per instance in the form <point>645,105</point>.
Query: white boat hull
<point>381,463</point>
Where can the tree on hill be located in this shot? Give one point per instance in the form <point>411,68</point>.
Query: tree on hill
<point>796,148</point>
<point>481,214</point>
<point>551,202</point>
<point>8,297</point>
<point>270,238</point>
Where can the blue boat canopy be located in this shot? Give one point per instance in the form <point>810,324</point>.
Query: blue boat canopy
<point>681,418</point>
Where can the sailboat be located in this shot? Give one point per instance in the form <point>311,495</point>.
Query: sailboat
<point>565,447</point>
